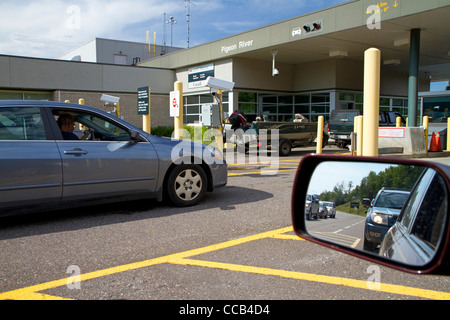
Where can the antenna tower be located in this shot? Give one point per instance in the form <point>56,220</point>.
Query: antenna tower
<point>188,15</point>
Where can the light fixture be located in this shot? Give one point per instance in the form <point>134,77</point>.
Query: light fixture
<point>401,42</point>
<point>275,71</point>
<point>392,62</point>
<point>338,54</point>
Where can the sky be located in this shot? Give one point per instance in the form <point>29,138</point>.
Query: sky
<point>51,28</point>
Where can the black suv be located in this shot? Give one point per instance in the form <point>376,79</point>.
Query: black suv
<point>382,214</point>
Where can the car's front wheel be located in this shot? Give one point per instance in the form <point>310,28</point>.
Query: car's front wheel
<point>186,185</point>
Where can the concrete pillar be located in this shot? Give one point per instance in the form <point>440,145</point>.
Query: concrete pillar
<point>413,84</point>
<point>372,62</point>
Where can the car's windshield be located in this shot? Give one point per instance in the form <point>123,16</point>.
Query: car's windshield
<point>394,200</point>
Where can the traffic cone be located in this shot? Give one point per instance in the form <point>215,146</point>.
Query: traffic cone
<point>438,142</point>
<point>433,145</point>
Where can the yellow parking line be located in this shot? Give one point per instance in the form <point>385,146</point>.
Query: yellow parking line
<point>184,258</point>
<point>389,288</point>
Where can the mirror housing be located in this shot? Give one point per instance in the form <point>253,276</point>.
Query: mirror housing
<point>439,264</point>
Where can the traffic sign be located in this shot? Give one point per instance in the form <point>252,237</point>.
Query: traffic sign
<point>175,103</point>
<point>143,100</point>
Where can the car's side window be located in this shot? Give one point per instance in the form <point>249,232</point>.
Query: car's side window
<point>430,217</point>
<point>21,124</point>
<point>89,127</point>
<point>410,210</point>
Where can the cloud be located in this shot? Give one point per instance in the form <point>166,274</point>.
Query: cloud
<point>51,28</point>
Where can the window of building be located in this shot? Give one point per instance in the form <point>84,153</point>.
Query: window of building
<point>193,104</point>
<point>283,107</point>
<point>18,95</point>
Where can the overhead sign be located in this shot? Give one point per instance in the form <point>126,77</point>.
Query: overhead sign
<point>175,103</point>
<point>197,76</point>
<point>143,100</point>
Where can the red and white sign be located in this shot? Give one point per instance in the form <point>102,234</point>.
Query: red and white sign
<point>175,103</point>
<point>391,133</point>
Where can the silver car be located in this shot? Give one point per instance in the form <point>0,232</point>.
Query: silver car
<point>105,160</point>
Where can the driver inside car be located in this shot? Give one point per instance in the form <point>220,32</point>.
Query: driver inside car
<point>66,124</point>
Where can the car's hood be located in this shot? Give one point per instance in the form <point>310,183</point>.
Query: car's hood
<point>387,211</point>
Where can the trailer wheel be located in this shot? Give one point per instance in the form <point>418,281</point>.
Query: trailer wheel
<point>285,147</point>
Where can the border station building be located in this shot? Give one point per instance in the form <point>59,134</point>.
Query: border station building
<point>319,59</point>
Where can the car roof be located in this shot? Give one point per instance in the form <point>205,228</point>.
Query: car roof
<point>394,190</point>
<point>40,103</point>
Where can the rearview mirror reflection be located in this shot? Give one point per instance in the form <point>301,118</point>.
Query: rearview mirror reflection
<point>396,211</point>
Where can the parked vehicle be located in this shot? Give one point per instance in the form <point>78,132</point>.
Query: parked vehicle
<point>382,214</point>
<point>341,124</point>
<point>290,134</point>
<point>111,161</point>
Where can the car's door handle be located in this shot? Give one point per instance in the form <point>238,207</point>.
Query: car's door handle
<point>76,152</point>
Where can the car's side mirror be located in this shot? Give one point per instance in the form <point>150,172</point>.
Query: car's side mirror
<point>407,224</point>
<point>135,136</point>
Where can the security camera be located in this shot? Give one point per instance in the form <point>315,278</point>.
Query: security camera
<point>219,84</point>
<point>109,99</point>
<point>275,72</point>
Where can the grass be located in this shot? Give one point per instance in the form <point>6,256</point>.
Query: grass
<point>346,208</point>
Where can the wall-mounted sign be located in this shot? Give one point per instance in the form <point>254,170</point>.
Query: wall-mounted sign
<point>143,94</point>
<point>235,46</point>
<point>197,76</point>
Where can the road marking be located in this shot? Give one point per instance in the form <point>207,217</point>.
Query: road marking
<point>185,258</point>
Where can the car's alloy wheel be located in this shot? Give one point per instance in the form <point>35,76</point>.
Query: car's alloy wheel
<point>186,185</point>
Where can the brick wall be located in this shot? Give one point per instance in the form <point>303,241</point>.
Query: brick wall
<point>159,105</point>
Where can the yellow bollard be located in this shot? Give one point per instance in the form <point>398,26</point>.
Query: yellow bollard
<point>359,135</point>
<point>372,59</point>
<point>448,134</point>
<point>81,101</point>
<point>398,122</point>
<point>319,139</point>
<point>178,121</point>
<point>426,121</point>
<point>146,125</point>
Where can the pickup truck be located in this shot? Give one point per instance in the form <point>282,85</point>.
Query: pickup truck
<point>341,124</point>
<point>290,134</point>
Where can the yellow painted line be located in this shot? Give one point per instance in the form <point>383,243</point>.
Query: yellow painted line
<point>183,258</point>
<point>287,237</point>
<point>266,172</point>
<point>389,288</point>
<point>31,293</point>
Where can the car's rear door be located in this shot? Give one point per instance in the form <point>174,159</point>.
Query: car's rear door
<point>30,163</point>
<point>106,164</point>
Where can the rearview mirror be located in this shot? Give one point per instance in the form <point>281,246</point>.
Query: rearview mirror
<point>393,212</point>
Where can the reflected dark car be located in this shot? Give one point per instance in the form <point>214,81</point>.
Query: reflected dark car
<point>323,211</point>
<point>416,235</point>
<point>382,214</point>
<point>110,160</point>
<point>312,207</point>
